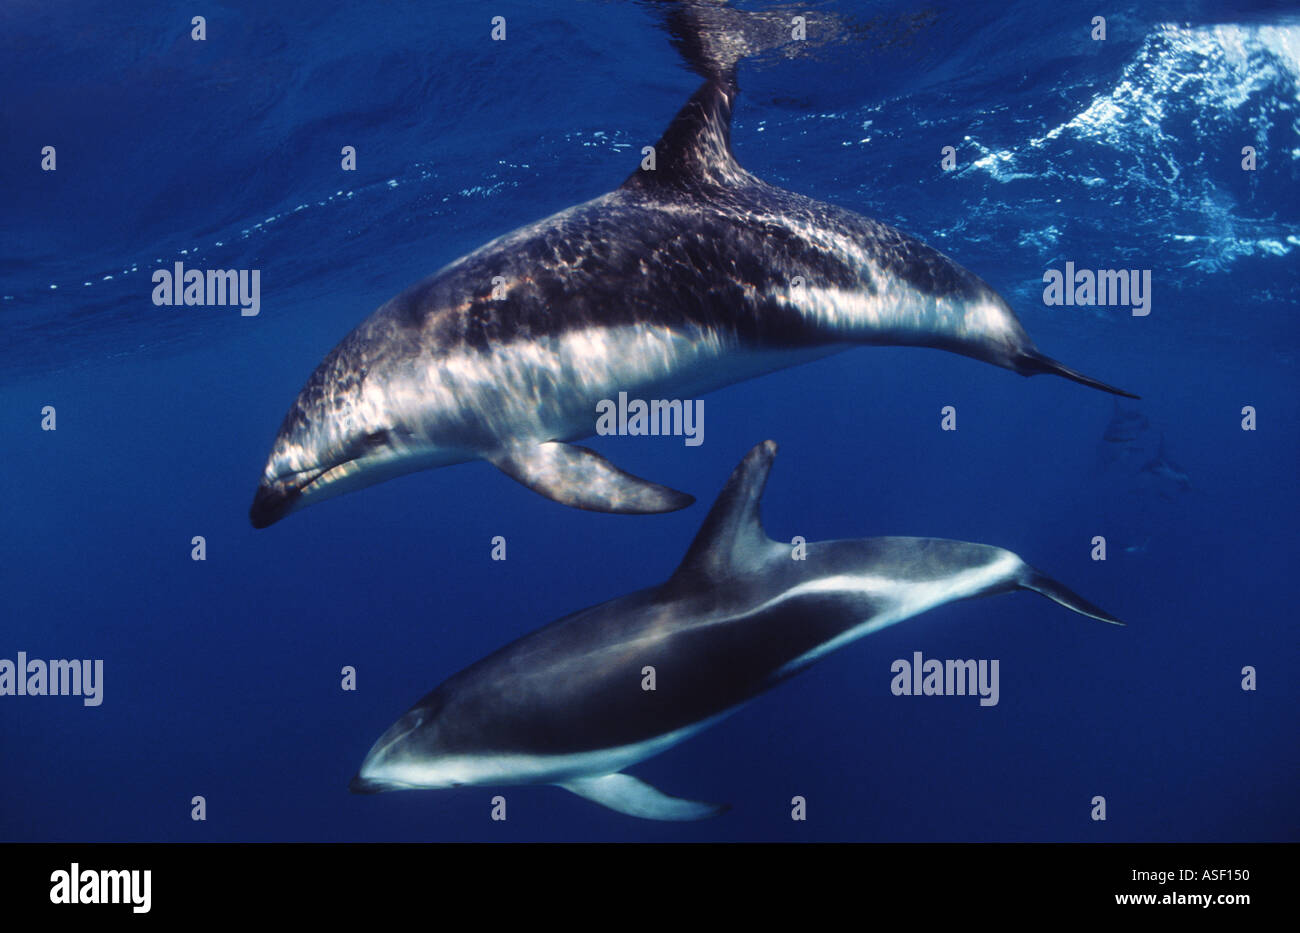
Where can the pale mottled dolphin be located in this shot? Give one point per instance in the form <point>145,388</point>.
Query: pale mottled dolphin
<point>685,279</point>
<point>566,705</point>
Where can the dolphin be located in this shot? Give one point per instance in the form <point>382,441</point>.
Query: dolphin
<point>1125,426</point>
<point>565,705</point>
<point>692,275</point>
<point>1168,476</point>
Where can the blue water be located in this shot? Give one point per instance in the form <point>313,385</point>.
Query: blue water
<point>222,677</point>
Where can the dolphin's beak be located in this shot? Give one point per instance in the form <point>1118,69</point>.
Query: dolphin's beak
<point>277,498</point>
<point>271,504</point>
<point>360,785</point>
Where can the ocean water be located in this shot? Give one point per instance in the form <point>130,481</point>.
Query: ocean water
<point>222,676</point>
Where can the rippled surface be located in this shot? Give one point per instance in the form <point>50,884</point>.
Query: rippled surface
<point>223,154</point>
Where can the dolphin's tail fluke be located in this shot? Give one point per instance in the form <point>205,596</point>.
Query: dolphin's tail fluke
<point>1031,579</point>
<point>1032,363</point>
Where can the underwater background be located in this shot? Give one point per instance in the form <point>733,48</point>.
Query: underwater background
<point>222,676</point>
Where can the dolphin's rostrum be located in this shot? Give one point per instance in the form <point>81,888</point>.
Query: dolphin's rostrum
<point>687,278</point>
<point>565,705</point>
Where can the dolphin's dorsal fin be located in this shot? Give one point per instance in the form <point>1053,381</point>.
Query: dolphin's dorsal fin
<point>695,150</point>
<point>732,535</point>
<point>713,40</point>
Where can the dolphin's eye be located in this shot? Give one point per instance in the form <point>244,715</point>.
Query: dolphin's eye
<point>374,439</point>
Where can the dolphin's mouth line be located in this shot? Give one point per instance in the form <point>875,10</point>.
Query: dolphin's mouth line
<point>296,484</point>
<point>361,784</point>
<point>395,739</point>
<point>315,476</point>
<point>274,500</point>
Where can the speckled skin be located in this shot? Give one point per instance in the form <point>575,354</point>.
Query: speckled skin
<point>685,279</point>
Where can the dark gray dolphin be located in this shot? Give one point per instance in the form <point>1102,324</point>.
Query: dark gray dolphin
<point>565,705</point>
<point>683,280</point>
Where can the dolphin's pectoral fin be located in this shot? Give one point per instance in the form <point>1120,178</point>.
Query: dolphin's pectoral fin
<point>635,797</point>
<point>584,479</point>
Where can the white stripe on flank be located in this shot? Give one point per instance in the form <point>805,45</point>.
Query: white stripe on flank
<point>908,599</point>
<point>911,599</point>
